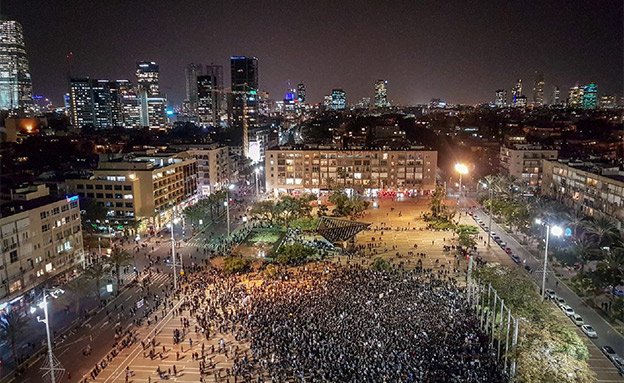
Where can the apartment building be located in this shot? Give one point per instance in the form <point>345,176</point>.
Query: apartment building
<point>213,167</point>
<point>411,171</point>
<point>41,237</point>
<point>146,187</point>
<point>524,161</point>
<point>596,189</point>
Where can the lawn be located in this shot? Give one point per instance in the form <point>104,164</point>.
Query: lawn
<point>264,236</point>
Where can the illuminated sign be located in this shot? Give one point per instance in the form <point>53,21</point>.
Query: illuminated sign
<point>72,198</point>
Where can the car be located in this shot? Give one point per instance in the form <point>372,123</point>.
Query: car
<point>619,364</point>
<point>568,310</point>
<point>508,250</point>
<point>471,213</point>
<point>609,352</point>
<point>527,268</point>
<point>577,319</point>
<point>493,234</point>
<point>515,258</point>
<point>485,228</point>
<point>560,301</point>
<point>551,294</point>
<point>589,331</point>
<point>502,244</point>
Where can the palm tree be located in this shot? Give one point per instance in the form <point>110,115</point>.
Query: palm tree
<point>575,219</point>
<point>613,265</point>
<point>119,258</point>
<point>584,250</point>
<point>603,229</point>
<point>96,272</point>
<point>12,325</point>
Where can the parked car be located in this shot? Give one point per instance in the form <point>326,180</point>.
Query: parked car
<point>609,352</point>
<point>589,331</point>
<point>508,250</point>
<point>577,319</point>
<point>502,244</point>
<point>568,310</point>
<point>527,268</point>
<point>515,258</point>
<point>560,301</point>
<point>551,294</point>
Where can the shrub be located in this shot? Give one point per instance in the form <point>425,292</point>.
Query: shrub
<point>380,264</point>
<point>295,254</point>
<point>234,265</point>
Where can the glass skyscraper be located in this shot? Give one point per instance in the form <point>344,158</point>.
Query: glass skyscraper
<point>15,83</point>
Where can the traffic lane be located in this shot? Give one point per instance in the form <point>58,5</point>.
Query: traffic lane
<point>606,334</point>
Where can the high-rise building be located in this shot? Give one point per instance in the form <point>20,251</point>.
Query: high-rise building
<point>220,98</point>
<point>339,99</point>
<point>516,92</point>
<point>327,101</point>
<point>538,89</point>
<point>191,73</point>
<point>206,100</point>
<point>556,95</point>
<point>590,96</point>
<point>147,74</point>
<point>608,101</point>
<point>15,83</point>
<point>244,72</point>
<point>521,101</point>
<point>381,94</point>
<point>301,93</point>
<point>81,102</point>
<point>575,96</point>
<point>501,98</point>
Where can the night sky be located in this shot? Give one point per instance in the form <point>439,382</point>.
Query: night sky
<point>459,51</point>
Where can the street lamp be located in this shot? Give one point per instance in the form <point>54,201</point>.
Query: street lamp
<point>173,257</point>
<point>54,365</point>
<point>556,231</point>
<point>491,190</point>
<point>227,205</point>
<point>257,172</point>
<point>461,169</point>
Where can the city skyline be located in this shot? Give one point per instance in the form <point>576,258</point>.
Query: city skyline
<point>460,61</point>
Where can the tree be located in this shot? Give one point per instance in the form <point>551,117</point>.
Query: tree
<point>264,210</point>
<point>322,210</point>
<point>295,254</point>
<point>119,258</point>
<point>381,265</point>
<point>611,268</point>
<point>584,249</point>
<point>235,265</point>
<point>575,219</point>
<point>603,229</point>
<point>78,288</point>
<point>466,234</point>
<point>12,325</point>
<point>96,272</point>
<point>92,212</point>
<point>193,213</point>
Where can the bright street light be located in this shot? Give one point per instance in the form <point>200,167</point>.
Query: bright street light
<point>538,221</point>
<point>461,169</point>
<point>556,231</point>
<point>227,205</point>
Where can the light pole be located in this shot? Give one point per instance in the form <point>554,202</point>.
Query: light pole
<point>54,365</point>
<point>173,257</point>
<point>461,169</point>
<point>556,231</point>
<point>227,206</point>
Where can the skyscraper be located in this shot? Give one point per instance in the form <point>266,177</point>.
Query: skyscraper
<point>538,89</point>
<point>147,74</point>
<point>575,96</point>
<point>556,95</point>
<point>206,100</point>
<point>219,98</point>
<point>301,93</point>
<point>81,102</point>
<point>381,94</point>
<point>516,92</point>
<point>501,98</point>
<point>590,96</point>
<point>15,83</point>
<point>244,72</point>
<point>191,73</point>
<point>339,99</point>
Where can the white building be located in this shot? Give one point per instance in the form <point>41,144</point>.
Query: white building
<point>524,161</point>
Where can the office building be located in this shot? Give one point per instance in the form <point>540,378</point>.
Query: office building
<point>575,96</point>
<point>213,167</point>
<point>516,92</point>
<point>221,97</point>
<point>15,83</point>
<point>524,162</point>
<point>41,238</point>
<point>81,102</point>
<point>608,102</point>
<point>338,99</point>
<point>147,74</point>
<point>191,73</point>
<point>538,89</point>
<point>556,95</point>
<point>145,187</point>
<point>521,101</point>
<point>410,172</point>
<point>381,94</point>
<point>244,72</point>
<point>501,98</point>
<point>301,93</point>
<point>595,189</point>
<point>590,96</point>
<point>207,95</point>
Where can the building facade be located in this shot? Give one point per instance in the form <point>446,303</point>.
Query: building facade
<point>191,73</point>
<point>381,94</point>
<point>596,191</point>
<point>524,162</point>
<point>140,187</point>
<point>213,167</point>
<point>410,171</point>
<point>15,83</point>
<point>41,238</point>
<point>590,96</point>
<point>501,98</point>
<point>338,99</point>
<point>538,89</point>
<point>244,71</point>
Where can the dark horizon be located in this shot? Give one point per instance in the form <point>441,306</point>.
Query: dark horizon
<point>459,52</point>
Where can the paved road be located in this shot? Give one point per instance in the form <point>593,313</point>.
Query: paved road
<point>606,334</point>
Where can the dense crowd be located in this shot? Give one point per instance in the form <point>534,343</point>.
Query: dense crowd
<point>345,324</point>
